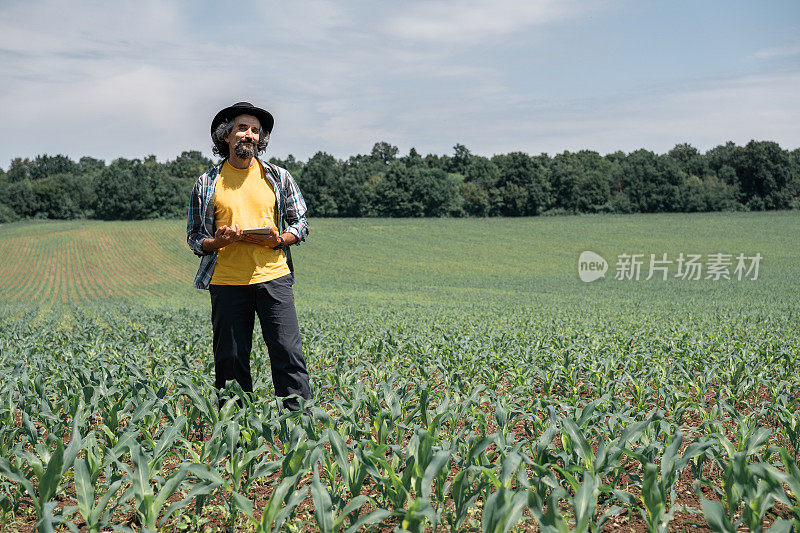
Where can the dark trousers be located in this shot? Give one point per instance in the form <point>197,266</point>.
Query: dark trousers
<point>233,310</point>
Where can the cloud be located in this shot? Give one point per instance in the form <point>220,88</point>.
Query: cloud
<point>763,107</point>
<point>472,22</point>
<point>787,50</point>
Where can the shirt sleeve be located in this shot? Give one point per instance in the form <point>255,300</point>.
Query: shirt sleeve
<point>296,222</point>
<point>195,229</point>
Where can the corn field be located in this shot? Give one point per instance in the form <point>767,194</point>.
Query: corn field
<point>562,423</point>
<point>444,399</point>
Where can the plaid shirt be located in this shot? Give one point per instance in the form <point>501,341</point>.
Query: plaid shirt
<point>200,224</point>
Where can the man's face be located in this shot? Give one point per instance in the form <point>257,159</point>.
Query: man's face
<point>243,139</point>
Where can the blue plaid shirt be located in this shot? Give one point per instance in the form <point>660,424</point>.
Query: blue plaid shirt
<point>200,224</point>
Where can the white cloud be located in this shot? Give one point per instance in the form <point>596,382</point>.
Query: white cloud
<point>750,107</point>
<point>787,50</point>
<point>471,22</point>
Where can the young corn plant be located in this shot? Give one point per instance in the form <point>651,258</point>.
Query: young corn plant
<point>733,460</point>
<point>658,495</point>
<point>754,488</point>
<point>330,519</point>
<point>354,472</point>
<point>142,477</point>
<point>45,470</point>
<point>93,506</point>
<point>468,484</point>
<point>545,507</point>
<point>791,477</point>
<point>279,507</point>
<point>505,504</point>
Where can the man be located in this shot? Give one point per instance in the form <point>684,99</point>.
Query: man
<point>249,274</point>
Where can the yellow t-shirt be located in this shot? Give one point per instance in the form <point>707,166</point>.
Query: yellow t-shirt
<point>245,197</point>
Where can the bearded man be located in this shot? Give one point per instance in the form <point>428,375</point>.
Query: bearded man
<point>249,274</point>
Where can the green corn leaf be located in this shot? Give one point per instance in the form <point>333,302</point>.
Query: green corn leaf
<point>100,507</point>
<point>48,484</point>
<point>75,443</point>
<point>781,525</point>
<point>205,473</point>
<point>241,503</point>
<point>14,474</point>
<point>585,502</point>
<point>168,489</point>
<point>440,460</point>
<point>352,506</point>
<point>716,517</point>
<point>368,519</point>
<point>294,500</point>
<point>503,510</point>
<point>578,440</point>
<point>479,446</point>
<point>45,522</point>
<point>322,504</point>
<point>84,489</point>
<point>500,414</point>
<point>509,467</point>
<point>168,438</point>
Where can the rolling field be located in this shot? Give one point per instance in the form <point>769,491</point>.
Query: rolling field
<point>465,378</point>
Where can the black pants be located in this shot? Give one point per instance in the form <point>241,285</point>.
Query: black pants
<point>233,310</point>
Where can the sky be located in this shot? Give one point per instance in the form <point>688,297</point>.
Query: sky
<point>131,79</point>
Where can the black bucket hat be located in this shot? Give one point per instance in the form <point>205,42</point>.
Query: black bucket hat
<point>244,108</point>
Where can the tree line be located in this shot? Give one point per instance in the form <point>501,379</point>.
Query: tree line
<point>755,177</point>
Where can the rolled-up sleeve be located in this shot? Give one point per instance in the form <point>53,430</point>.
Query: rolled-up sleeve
<point>296,222</point>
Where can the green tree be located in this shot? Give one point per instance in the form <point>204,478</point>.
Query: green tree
<point>766,175</point>
<point>169,192</point>
<point>357,195</point>
<point>320,183</point>
<point>652,182</point>
<point>416,190</point>
<point>65,196</point>
<point>90,166</point>
<point>690,160</point>
<point>46,165</point>
<point>581,182</point>
<point>482,172</point>
<point>7,214</point>
<point>22,199</point>
<point>476,199</point>
<point>461,158</point>
<point>291,164</point>
<point>384,152</point>
<point>523,185</point>
<point>19,170</point>
<point>124,191</point>
<point>188,166</point>
<point>723,161</point>
<point>707,194</point>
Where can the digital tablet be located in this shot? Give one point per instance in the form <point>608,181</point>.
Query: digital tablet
<point>258,231</point>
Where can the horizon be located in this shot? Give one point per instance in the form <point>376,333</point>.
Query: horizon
<point>267,157</point>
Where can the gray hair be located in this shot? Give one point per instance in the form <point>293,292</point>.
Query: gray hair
<point>221,147</point>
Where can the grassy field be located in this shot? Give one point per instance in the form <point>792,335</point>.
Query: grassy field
<point>526,262</point>
<point>465,378</point>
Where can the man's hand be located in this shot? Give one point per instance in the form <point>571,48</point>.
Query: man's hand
<point>224,236</point>
<point>271,239</point>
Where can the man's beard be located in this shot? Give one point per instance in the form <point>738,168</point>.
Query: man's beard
<point>245,149</point>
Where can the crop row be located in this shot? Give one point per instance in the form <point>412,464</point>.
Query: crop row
<point>554,422</point>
